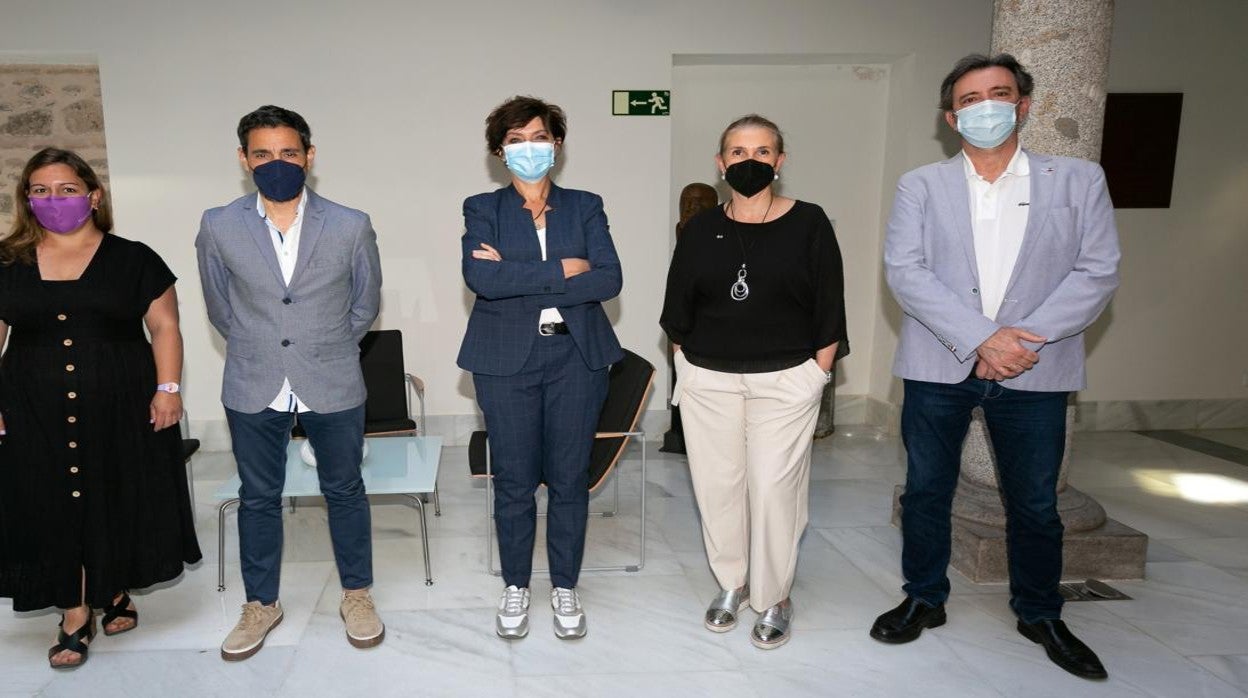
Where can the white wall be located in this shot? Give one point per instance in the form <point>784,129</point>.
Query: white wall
<point>1178,327</point>
<point>396,93</point>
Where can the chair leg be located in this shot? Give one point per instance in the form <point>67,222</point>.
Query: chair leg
<point>489,516</point>
<point>190,481</point>
<point>221,542</point>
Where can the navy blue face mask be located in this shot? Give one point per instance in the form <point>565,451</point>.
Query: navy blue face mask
<point>279,180</point>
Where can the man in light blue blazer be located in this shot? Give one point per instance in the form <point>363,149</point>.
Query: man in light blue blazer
<point>292,281</point>
<point>1000,259</point>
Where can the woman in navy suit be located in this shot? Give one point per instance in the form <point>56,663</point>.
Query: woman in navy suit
<point>538,344</point>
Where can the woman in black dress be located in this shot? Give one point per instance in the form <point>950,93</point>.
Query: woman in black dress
<point>93,494</point>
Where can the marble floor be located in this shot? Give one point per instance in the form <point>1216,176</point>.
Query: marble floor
<point>1185,633</point>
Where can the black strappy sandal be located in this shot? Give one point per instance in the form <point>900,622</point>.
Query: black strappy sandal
<point>73,642</point>
<point>119,610</point>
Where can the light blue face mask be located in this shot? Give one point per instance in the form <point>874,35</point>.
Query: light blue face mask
<point>530,160</point>
<point>988,123</point>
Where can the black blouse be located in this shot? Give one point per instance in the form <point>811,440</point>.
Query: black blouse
<point>796,301</point>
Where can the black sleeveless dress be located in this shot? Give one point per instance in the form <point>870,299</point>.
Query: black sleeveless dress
<point>85,484</point>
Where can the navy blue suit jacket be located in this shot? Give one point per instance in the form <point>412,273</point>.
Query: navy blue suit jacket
<point>512,293</point>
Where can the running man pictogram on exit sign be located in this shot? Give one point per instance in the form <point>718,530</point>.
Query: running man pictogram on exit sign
<point>641,102</point>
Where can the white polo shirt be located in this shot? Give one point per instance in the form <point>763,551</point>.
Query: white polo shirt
<point>998,221</point>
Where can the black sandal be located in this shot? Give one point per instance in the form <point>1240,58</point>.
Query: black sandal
<point>73,642</point>
<point>119,610</point>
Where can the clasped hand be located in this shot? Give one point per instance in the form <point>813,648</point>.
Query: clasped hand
<point>1003,355</point>
<point>571,265</point>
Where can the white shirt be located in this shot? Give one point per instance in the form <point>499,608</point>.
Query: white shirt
<point>287,248</point>
<point>548,314</point>
<point>998,221</point>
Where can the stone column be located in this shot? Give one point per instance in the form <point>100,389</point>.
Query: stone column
<point>1065,46</point>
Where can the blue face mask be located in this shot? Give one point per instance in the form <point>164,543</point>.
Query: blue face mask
<point>530,160</point>
<point>988,123</point>
<point>279,180</point>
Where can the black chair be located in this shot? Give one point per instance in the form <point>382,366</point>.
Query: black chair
<point>388,408</point>
<point>630,381</point>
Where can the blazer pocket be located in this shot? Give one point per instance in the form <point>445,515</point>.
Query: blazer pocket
<point>329,262</point>
<point>329,352</point>
<point>240,348</point>
<point>1063,221</point>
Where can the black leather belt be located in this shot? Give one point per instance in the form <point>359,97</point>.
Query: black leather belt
<point>547,329</point>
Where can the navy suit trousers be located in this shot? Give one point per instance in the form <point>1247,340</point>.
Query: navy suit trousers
<point>541,423</point>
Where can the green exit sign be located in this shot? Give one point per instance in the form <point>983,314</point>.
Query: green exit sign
<point>641,102</point>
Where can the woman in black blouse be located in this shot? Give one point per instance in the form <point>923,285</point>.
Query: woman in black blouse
<point>755,306</point>
<point>93,494</point>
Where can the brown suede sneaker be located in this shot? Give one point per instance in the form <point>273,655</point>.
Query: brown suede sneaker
<point>248,636</point>
<point>364,626</point>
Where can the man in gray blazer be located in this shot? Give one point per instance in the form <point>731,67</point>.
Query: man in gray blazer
<point>292,281</point>
<point>1000,258</point>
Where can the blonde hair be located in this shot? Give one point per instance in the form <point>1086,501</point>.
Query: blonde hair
<point>753,120</point>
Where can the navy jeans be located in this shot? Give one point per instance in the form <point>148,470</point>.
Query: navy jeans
<point>1028,434</point>
<point>260,442</point>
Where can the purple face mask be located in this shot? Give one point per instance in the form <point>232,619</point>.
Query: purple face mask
<point>61,214</point>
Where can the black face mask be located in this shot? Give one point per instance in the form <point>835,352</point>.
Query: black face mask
<point>279,180</point>
<point>749,177</point>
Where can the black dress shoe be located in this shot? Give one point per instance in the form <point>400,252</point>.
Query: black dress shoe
<point>1066,650</point>
<point>904,623</point>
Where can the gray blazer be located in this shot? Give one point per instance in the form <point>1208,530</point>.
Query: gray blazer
<point>308,332</point>
<point>1066,272</point>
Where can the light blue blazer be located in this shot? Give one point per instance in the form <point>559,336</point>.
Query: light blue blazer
<point>1066,273</point>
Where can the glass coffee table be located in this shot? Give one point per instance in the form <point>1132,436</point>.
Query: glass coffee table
<point>402,465</point>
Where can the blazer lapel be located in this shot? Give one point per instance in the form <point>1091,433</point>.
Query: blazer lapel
<point>520,225</point>
<point>258,231</point>
<point>556,234</point>
<point>957,196</point>
<point>309,234</point>
<point>1042,176</point>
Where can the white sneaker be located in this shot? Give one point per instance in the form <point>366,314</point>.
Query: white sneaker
<point>512,622</point>
<point>569,616</point>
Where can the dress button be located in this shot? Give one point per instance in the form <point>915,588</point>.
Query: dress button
<point>73,444</point>
<point>285,342</point>
<point>975,291</point>
<point>71,420</point>
<point>76,493</point>
<point>62,317</point>
<point>69,367</point>
<point>68,342</point>
<point>287,301</point>
<point>73,469</point>
<point>71,395</point>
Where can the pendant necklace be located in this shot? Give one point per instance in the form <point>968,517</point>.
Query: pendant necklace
<point>740,289</point>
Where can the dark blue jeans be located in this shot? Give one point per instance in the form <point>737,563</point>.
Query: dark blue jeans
<point>260,442</point>
<point>1028,434</point>
<point>541,423</point>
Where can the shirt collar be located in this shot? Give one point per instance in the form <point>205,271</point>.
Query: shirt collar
<point>303,201</point>
<point>1019,165</point>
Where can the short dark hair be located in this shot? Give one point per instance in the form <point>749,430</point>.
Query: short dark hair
<point>753,121</point>
<point>517,112</point>
<point>978,61</point>
<point>270,116</point>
